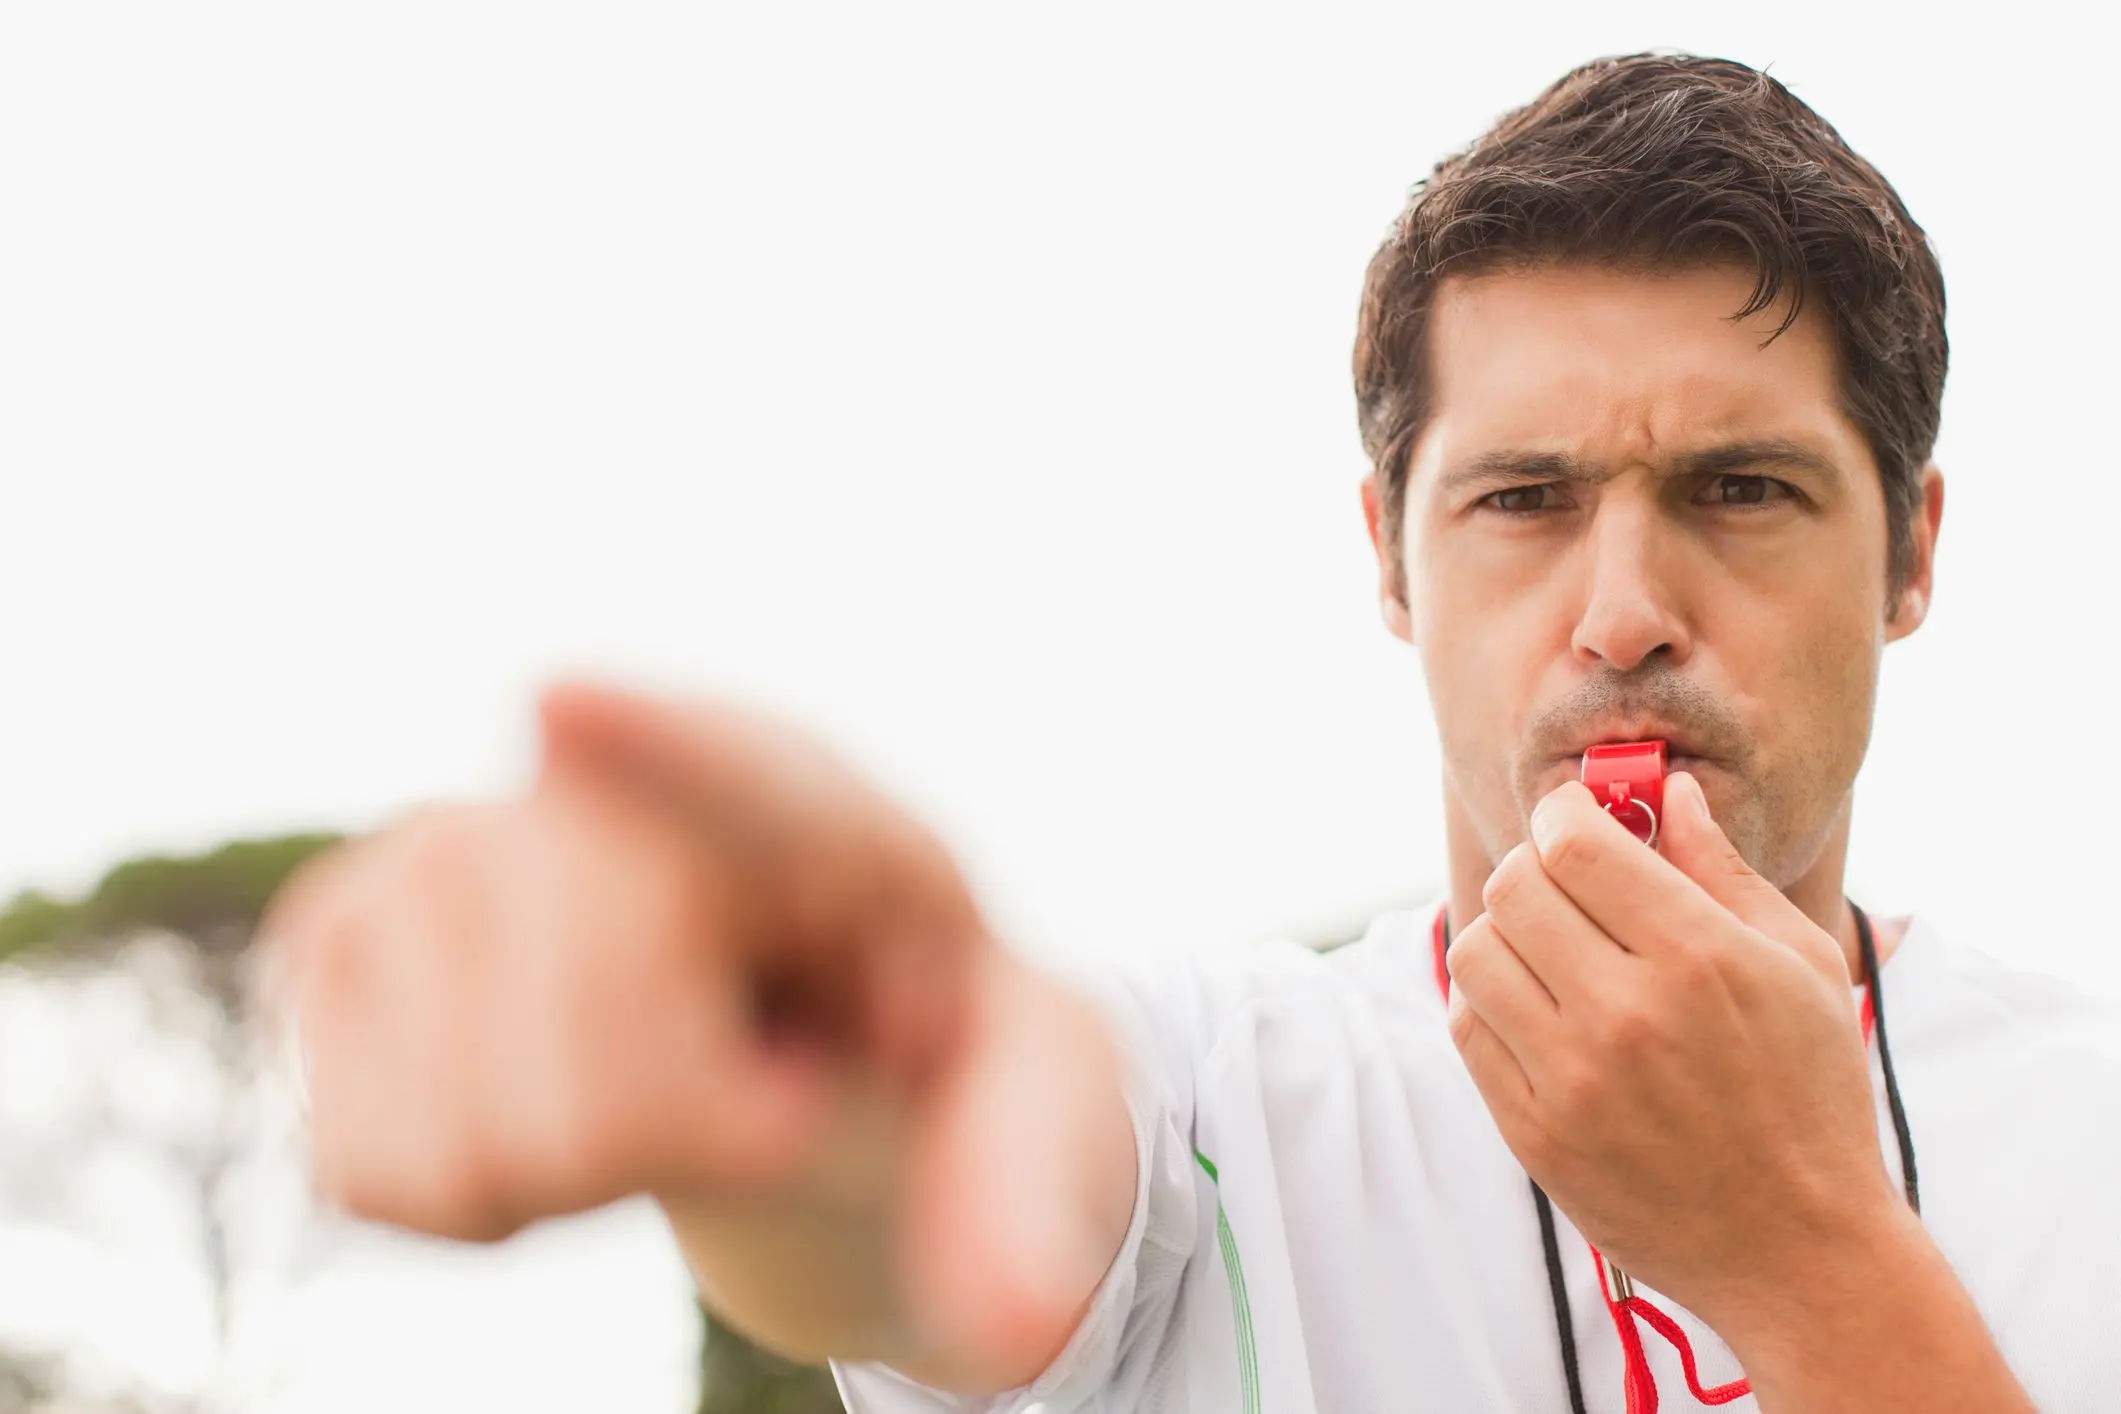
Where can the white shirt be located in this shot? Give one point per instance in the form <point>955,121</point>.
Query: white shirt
<point>1366,1242</point>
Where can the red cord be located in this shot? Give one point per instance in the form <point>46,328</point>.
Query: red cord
<point>1669,1329</point>
<point>1641,1385</point>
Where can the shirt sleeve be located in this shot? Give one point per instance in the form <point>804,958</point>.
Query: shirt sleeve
<point>1108,1360</point>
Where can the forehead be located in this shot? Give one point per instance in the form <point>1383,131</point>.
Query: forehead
<point>1624,365</point>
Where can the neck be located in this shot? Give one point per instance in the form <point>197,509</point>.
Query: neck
<point>1818,892</point>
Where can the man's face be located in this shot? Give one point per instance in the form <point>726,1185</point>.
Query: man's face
<point>1627,518</point>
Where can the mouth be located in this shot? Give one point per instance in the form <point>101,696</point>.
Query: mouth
<point>1681,752</point>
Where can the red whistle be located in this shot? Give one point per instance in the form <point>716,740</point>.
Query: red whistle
<point>1627,777</point>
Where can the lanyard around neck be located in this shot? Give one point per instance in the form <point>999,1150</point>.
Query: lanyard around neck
<point>1625,1307</point>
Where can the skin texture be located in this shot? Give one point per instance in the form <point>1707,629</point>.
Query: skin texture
<point>1632,516</point>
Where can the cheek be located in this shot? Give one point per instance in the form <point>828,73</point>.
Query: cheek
<point>1820,655</point>
<point>1830,686</point>
<point>1485,657</point>
<point>1809,670</point>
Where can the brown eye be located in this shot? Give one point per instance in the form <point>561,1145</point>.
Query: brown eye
<point>1748,491</point>
<point>1519,500</point>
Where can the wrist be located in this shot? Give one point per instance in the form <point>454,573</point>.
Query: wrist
<point>1878,1320</point>
<point>1822,1283</point>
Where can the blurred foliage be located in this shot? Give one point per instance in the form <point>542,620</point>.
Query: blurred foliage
<point>213,899</point>
<point>736,1377</point>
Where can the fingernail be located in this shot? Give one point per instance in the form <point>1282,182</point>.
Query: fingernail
<point>1695,803</point>
<point>1544,825</point>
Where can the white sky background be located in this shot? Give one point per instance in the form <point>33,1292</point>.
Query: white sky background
<point>968,382</point>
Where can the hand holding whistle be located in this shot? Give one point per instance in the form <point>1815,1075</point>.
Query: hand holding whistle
<point>1667,1044</point>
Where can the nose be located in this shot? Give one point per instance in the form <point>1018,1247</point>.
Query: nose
<point>1630,611</point>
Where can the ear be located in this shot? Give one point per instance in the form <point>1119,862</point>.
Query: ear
<point>1391,570</point>
<point>1913,604</point>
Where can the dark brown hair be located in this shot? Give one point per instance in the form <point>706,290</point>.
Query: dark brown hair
<point>1660,160</point>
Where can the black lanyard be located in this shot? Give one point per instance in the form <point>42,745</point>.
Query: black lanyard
<point>1565,1326</point>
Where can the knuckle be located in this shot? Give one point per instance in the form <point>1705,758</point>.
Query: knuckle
<point>1506,883</point>
<point>1567,1090</point>
<point>1692,969</point>
<point>1471,952</point>
<point>1464,1023</point>
<point>1627,1028</point>
<point>1572,847</point>
<point>1823,953</point>
<point>1729,864</point>
<point>1539,1149</point>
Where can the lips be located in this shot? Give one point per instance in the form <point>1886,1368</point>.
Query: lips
<point>1680,750</point>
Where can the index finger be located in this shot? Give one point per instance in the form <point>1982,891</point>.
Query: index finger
<point>1641,901</point>
<point>705,751</point>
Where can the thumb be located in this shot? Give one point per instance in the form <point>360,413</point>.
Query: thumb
<point>1692,841</point>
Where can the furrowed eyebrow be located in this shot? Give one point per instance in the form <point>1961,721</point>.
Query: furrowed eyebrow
<point>1742,457</point>
<point>1514,468</point>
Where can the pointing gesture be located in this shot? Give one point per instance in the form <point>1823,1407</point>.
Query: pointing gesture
<point>701,959</point>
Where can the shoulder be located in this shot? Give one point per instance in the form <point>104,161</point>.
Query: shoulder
<point>2002,1066</point>
<point>1203,991</point>
<point>1280,997</point>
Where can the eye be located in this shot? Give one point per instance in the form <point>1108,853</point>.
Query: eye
<point>1737,490</point>
<point>1524,500</point>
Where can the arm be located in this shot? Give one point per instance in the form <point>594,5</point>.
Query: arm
<point>1877,1321</point>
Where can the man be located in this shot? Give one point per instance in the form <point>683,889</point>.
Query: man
<point>1650,377</point>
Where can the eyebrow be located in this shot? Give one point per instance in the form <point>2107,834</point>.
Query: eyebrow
<point>1761,452</point>
<point>1522,467</point>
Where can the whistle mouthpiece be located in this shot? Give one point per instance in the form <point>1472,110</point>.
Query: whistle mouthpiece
<point>1627,778</point>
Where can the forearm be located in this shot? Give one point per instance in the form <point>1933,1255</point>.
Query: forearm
<point>805,1274</point>
<point>1879,1324</point>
